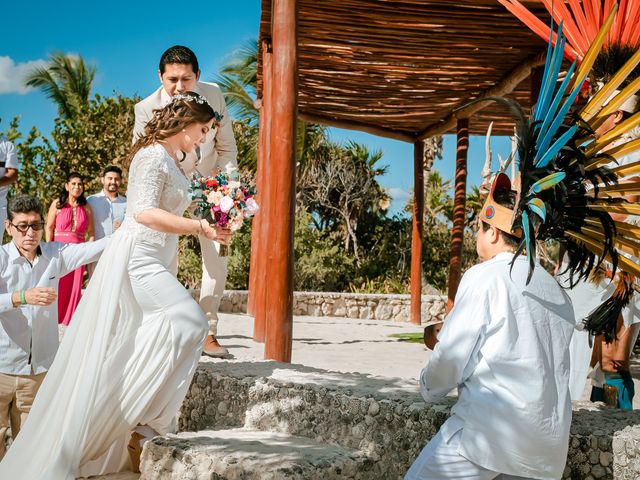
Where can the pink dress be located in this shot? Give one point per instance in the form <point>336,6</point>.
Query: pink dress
<point>70,230</point>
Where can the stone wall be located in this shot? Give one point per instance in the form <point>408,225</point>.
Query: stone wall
<point>328,407</point>
<point>351,305</point>
<point>384,418</point>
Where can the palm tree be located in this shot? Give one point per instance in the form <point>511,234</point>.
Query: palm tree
<point>475,201</point>
<point>438,203</point>
<point>238,79</point>
<point>66,80</point>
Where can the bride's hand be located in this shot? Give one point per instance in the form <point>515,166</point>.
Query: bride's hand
<point>218,234</point>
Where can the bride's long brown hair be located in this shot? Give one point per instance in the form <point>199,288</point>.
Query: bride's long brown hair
<point>183,110</point>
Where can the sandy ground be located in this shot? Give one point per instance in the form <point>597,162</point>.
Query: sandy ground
<point>337,344</point>
<point>347,345</point>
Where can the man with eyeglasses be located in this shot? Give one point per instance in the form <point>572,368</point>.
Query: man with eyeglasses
<point>29,273</point>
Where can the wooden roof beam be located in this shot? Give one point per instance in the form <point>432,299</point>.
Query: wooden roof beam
<point>505,86</point>
<point>362,127</point>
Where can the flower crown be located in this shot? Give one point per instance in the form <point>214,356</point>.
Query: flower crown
<point>190,97</point>
<point>201,100</point>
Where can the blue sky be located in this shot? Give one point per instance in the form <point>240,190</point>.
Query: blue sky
<point>125,39</point>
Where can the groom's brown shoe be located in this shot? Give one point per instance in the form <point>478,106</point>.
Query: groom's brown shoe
<point>213,349</point>
<point>135,450</point>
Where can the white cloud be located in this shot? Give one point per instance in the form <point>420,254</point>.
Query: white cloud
<point>12,74</point>
<point>398,194</point>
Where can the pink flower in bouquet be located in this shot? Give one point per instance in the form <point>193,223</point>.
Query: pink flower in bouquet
<point>221,218</point>
<point>226,204</point>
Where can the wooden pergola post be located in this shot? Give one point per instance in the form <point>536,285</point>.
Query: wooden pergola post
<point>459,201</point>
<point>282,176</point>
<point>417,232</point>
<point>260,232</point>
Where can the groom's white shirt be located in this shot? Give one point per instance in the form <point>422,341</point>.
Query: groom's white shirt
<point>219,148</point>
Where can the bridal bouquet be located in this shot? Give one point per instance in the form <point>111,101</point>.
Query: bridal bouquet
<point>223,200</point>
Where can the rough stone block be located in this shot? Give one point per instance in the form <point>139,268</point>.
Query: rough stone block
<point>250,455</point>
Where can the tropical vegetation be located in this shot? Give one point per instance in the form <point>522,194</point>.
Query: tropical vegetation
<point>345,237</point>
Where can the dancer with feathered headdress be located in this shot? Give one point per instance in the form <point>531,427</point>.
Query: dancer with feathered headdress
<point>609,308</point>
<point>505,343</point>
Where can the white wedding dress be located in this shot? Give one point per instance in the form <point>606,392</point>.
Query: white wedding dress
<point>131,349</point>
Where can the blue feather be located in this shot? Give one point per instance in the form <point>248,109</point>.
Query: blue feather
<point>527,237</point>
<point>547,182</point>
<point>547,61</point>
<point>560,116</point>
<point>537,206</point>
<point>550,78</point>
<point>555,104</point>
<point>556,147</point>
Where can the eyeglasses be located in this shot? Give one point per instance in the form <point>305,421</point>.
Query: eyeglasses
<point>24,227</point>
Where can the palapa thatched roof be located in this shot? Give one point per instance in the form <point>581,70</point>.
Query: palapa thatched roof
<point>400,68</point>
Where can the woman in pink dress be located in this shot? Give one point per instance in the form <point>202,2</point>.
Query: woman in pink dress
<point>70,221</point>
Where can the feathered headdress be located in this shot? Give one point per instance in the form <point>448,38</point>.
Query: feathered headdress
<point>567,182</point>
<point>583,20</point>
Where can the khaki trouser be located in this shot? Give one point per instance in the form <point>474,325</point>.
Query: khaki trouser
<point>16,397</point>
<point>214,278</point>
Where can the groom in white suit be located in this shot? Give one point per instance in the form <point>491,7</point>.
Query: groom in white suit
<point>179,72</point>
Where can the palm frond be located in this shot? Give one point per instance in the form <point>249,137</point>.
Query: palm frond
<point>66,80</point>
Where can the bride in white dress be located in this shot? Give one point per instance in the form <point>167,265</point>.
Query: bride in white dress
<point>129,355</point>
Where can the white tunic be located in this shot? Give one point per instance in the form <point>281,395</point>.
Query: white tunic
<point>29,333</point>
<point>505,345</point>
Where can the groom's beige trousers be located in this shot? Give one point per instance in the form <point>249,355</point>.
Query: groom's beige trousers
<point>16,397</point>
<point>214,278</point>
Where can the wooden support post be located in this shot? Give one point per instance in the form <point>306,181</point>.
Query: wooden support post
<point>459,211</point>
<point>282,175</point>
<point>260,232</point>
<point>417,232</point>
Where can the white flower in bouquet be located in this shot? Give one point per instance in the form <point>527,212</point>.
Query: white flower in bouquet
<point>234,184</point>
<point>251,207</point>
<point>226,204</point>
<point>215,197</point>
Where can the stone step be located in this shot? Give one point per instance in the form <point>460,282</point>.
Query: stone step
<point>114,476</point>
<point>249,455</point>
